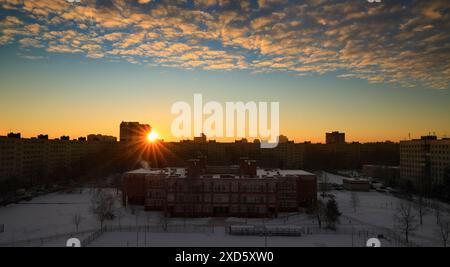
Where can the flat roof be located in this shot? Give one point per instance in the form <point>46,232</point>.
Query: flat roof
<point>182,172</point>
<point>280,172</point>
<point>160,171</point>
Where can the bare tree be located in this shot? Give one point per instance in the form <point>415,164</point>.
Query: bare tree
<point>444,231</point>
<point>118,183</point>
<point>405,219</point>
<point>119,215</point>
<point>102,206</point>
<point>76,220</point>
<point>163,220</point>
<point>319,211</point>
<point>324,184</point>
<point>420,206</point>
<point>332,213</point>
<point>354,200</point>
<point>437,210</point>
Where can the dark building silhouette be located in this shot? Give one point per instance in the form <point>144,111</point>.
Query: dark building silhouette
<point>69,159</point>
<point>101,138</point>
<point>200,139</point>
<point>13,135</point>
<point>42,137</point>
<point>335,138</point>
<point>134,132</point>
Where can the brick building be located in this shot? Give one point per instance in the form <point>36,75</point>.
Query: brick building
<point>201,190</point>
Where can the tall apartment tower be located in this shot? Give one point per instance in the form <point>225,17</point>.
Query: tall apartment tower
<point>133,132</point>
<point>335,138</point>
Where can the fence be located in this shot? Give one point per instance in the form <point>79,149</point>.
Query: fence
<point>361,231</point>
<point>38,241</point>
<point>265,230</point>
<point>393,237</point>
<point>85,242</point>
<point>148,229</point>
<point>96,233</point>
<point>158,228</point>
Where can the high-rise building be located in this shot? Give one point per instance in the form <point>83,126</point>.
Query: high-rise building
<point>423,161</point>
<point>134,132</point>
<point>335,138</point>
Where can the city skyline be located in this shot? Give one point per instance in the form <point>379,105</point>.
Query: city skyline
<point>232,125</point>
<point>154,136</point>
<point>374,71</point>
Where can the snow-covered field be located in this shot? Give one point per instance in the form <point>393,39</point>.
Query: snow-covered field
<point>379,209</point>
<point>220,239</point>
<point>47,221</point>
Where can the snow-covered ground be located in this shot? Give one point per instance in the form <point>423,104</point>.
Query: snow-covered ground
<point>47,221</point>
<point>220,239</point>
<point>51,215</point>
<point>379,209</point>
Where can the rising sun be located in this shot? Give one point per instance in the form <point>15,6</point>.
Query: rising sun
<point>152,136</point>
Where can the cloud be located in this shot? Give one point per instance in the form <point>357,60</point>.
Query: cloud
<point>62,49</point>
<point>401,44</point>
<point>113,36</point>
<point>30,42</point>
<point>260,22</point>
<point>10,21</point>
<point>144,1</point>
<point>33,28</point>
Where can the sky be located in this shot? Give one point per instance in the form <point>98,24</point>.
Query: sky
<point>376,71</point>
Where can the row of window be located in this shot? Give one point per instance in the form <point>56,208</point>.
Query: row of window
<point>216,198</point>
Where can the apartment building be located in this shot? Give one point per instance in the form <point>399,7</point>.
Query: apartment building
<point>33,161</point>
<point>423,161</point>
<point>335,138</point>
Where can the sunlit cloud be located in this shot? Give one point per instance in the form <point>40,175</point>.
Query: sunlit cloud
<point>380,43</point>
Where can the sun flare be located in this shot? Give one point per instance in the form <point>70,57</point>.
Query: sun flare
<point>152,136</point>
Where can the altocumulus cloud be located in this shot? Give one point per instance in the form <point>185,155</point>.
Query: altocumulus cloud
<point>405,43</point>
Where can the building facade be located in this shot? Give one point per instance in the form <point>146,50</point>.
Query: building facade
<point>390,175</point>
<point>423,162</point>
<point>200,190</point>
<point>33,161</point>
<point>352,184</point>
